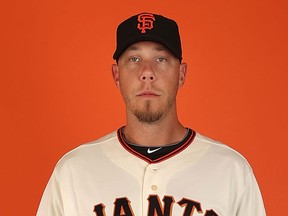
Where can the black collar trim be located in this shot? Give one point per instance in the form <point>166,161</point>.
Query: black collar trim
<point>184,144</point>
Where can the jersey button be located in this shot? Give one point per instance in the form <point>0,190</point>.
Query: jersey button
<point>154,187</point>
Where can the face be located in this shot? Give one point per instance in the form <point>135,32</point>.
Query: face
<point>149,76</point>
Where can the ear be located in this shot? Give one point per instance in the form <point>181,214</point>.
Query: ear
<point>182,74</point>
<point>115,74</point>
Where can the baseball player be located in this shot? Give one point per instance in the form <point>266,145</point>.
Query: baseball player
<point>152,166</point>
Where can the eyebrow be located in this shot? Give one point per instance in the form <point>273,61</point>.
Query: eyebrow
<point>161,48</point>
<point>132,47</point>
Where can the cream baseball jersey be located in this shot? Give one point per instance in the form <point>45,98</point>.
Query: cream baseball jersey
<point>107,177</point>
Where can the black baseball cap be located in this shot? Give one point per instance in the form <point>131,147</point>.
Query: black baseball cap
<point>148,27</point>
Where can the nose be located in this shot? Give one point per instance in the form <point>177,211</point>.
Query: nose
<point>148,73</point>
<point>146,77</point>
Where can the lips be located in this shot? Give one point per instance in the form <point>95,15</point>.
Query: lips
<point>148,94</point>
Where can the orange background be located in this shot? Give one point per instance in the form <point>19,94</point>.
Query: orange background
<point>56,89</point>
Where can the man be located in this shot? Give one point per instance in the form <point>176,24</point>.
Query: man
<point>153,165</point>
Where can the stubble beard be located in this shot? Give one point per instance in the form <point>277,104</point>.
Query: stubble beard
<point>149,116</point>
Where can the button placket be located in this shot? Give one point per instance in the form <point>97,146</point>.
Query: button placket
<point>151,180</point>
<point>154,183</point>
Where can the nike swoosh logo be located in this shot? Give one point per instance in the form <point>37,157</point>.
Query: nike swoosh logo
<point>149,151</point>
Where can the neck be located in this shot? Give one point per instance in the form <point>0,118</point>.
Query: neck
<point>161,133</point>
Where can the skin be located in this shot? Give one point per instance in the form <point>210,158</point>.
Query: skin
<point>149,76</point>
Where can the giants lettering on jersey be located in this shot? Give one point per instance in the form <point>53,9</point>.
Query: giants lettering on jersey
<point>122,207</point>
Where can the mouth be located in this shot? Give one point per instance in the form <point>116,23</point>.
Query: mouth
<point>148,94</point>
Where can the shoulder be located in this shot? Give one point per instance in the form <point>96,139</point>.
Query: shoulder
<point>89,151</point>
<point>222,154</point>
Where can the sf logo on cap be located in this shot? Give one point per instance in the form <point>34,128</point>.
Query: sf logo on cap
<point>145,21</point>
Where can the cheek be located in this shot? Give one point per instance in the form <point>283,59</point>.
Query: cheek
<point>171,78</point>
<point>130,67</point>
<point>126,86</point>
<point>173,86</point>
<point>128,73</point>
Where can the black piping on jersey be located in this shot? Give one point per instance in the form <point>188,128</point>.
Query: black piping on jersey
<point>184,144</point>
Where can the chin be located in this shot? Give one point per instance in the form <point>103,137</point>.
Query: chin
<point>148,118</point>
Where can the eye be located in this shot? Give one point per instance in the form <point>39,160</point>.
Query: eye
<point>161,59</point>
<point>134,59</point>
